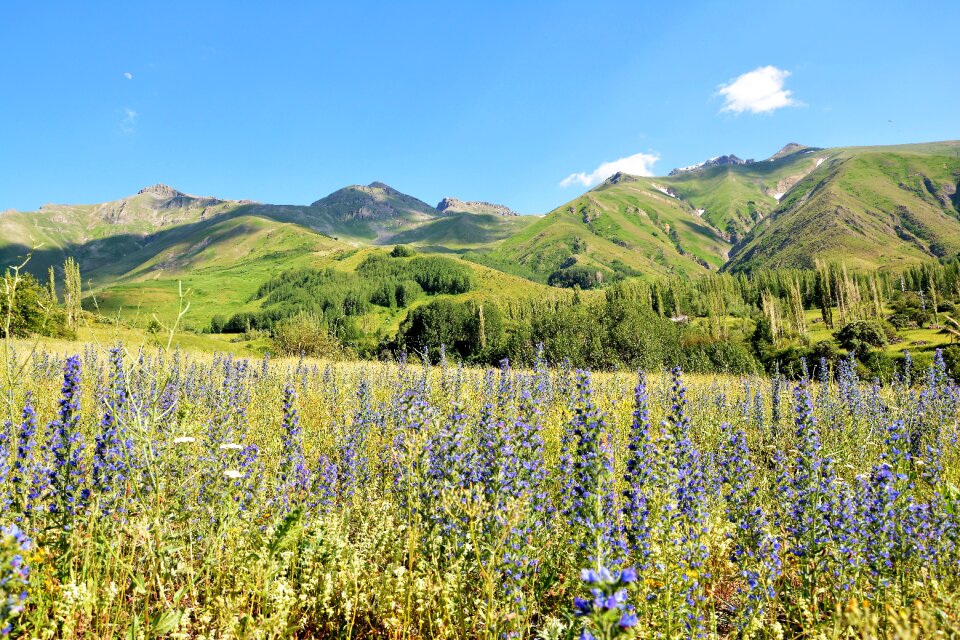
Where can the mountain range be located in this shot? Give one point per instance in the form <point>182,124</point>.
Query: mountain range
<point>871,207</point>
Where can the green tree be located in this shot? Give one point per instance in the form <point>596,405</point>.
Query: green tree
<point>862,335</point>
<point>72,292</point>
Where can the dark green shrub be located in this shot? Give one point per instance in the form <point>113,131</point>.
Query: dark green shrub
<point>900,320</point>
<point>582,277</point>
<point>862,335</point>
<point>718,356</point>
<point>32,312</point>
<point>402,251</point>
<point>217,323</point>
<point>951,357</point>
<point>385,295</point>
<point>406,292</point>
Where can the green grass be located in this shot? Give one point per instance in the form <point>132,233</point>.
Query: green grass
<point>868,207</point>
<point>618,227</point>
<point>220,268</point>
<point>374,500</point>
<point>736,197</point>
<point>461,231</point>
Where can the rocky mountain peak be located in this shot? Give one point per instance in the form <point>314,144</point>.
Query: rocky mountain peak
<point>166,197</point>
<point>718,161</point>
<point>620,176</point>
<point>375,201</point>
<point>161,191</point>
<point>383,186</point>
<point>455,205</point>
<point>790,147</point>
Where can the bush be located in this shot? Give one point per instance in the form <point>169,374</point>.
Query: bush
<point>385,295</point>
<point>306,334</point>
<point>217,323</point>
<point>32,311</point>
<point>951,358</point>
<point>240,323</point>
<point>861,335</point>
<point>153,327</point>
<point>880,365</point>
<point>402,251</point>
<point>900,320</point>
<point>406,292</point>
<point>582,277</point>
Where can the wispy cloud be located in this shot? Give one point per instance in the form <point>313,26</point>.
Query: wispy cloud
<point>129,121</point>
<point>128,75</point>
<point>758,91</point>
<point>639,164</point>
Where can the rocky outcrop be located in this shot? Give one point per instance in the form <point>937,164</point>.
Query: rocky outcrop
<point>788,149</point>
<point>620,176</point>
<point>453,205</point>
<point>169,198</point>
<point>161,191</point>
<point>719,161</point>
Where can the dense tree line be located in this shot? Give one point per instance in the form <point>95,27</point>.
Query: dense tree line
<point>720,322</point>
<point>303,301</point>
<point>599,334</point>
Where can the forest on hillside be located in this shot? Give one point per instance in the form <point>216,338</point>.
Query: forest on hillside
<point>774,321</point>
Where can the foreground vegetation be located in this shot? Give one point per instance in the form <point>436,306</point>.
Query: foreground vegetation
<point>718,323</point>
<point>153,493</point>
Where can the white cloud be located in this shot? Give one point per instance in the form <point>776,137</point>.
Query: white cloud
<point>758,91</point>
<point>128,75</point>
<point>129,120</point>
<point>639,164</point>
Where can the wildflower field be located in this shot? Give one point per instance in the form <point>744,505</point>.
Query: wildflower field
<point>163,494</point>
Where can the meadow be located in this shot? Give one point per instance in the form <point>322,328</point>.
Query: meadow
<point>168,493</point>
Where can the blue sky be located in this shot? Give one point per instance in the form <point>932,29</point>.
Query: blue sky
<point>497,101</point>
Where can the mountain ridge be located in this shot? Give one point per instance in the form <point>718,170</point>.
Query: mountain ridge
<point>454,205</point>
<point>870,206</point>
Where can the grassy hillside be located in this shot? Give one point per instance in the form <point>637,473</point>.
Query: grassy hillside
<point>734,198</point>
<point>867,206</point>
<point>222,263</point>
<point>147,230</point>
<point>223,280</point>
<point>870,207</point>
<point>627,225</point>
<point>98,234</point>
<point>457,231</point>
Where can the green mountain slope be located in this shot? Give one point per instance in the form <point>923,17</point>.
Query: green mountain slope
<point>627,225</point>
<point>113,238</point>
<point>136,252</point>
<point>100,234</point>
<point>220,285</point>
<point>462,230</point>
<point>733,198</point>
<point>221,262</point>
<point>868,206</point>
